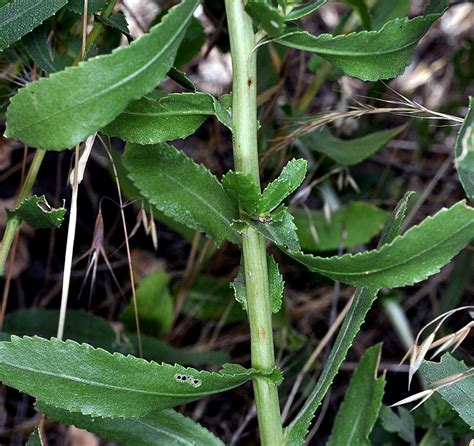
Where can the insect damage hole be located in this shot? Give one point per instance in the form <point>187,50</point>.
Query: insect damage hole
<point>188,379</point>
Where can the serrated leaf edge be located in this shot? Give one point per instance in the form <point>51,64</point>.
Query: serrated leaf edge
<point>386,247</point>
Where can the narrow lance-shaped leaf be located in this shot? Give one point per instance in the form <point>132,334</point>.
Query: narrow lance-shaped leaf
<point>116,21</point>
<point>279,229</point>
<point>464,152</point>
<point>243,189</point>
<point>276,286</point>
<point>61,111</point>
<point>349,151</point>
<point>421,252</point>
<point>369,55</point>
<point>363,300</point>
<point>79,378</point>
<point>20,17</point>
<point>182,189</point>
<point>353,425</point>
<point>351,226</point>
<point>36,44</point>
<point>460,394</point>
<point>181,78</point>
<point>304,10</point>
<point>37,212</point>
<point>266,16</point>
<point>288,181</point>
<point>165,427</point>
<point>151,121</point>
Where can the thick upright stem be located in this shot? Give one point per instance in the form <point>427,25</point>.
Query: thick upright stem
<point>244,112</point>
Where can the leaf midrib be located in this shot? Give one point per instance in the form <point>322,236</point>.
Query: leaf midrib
<point>169,113</point>
<point>313,397</point>
<point>117,388</point>
<point>113,86</point>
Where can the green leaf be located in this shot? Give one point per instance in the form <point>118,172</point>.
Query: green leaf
<point>280,230</point>
<point>459,395</point>
<point>393,226</point>
<point>192,43</point>
<point>464,152</point>
<point>266,17</point>
<point>159,351</point>
<point>362,11</point>
<point>116,21</point>
<point>165,427</point>
<point>352,226</point>
<point>80,326</point>
<point>79,378</point>
<point>363,300</point>
<point>369,55</point>
<point>288,181</point>
<point>21,16</point>
<point>240,290</point>
<point>182,189</point>
<point>36,44</point>
<point>276,286</point>
<point>223,110</point>
<point>64,109</point>
<point>421,252</point>
<point>458,282</point>
<point>212,299</point>
<point>349,152</point>
<point>358,412</point>
<point>90,329</point>
<point>37,212</point>
<point>93,6</point>
<point>242,188</point>
<point>402,424</point>
<point>181,78</point>
<point>383,12</point>
<point>155,306</point>
<point>151,121</point>
<point>35,439</point>
<point>304,10</point>
<point>133,194</point>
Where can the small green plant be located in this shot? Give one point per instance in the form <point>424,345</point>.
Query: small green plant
<point>109,91</point>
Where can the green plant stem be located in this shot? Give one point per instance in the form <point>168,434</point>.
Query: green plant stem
<point>244,111</point>
<point>13,223</point>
